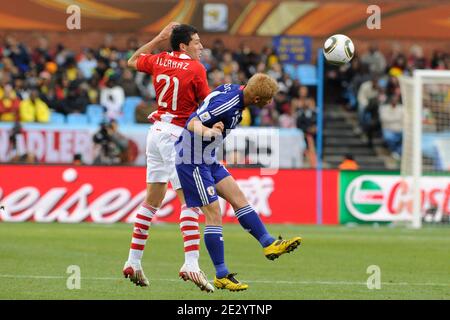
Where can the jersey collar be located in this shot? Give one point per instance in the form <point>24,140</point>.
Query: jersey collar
<point>180,55</point>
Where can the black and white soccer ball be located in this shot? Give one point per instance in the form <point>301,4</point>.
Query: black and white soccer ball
<point>338,49</point>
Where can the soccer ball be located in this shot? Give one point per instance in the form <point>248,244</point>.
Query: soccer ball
<point>338,49</point>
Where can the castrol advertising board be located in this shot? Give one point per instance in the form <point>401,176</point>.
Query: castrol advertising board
<point>387,197</point>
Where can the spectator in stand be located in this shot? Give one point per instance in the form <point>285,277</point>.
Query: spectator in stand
<point>218,49</point>
<point>246,118</point>
<point>417,59</point>
<point>438,60</point>
<point>105,149</point>
<point>375,60</point>
<point>144,108</point>
<point>87,64</point>
<point>348,163</point>
<point>93,91</point>
<point>207,59</point>
<point>9,71</point>
<point>247,59</point>
<point>367,91</point>
<point>120,141</point>
<point>76,99</point>
<point>21,90</point>
<point>228,65</point>
<point>71,71</point>
<point>9,105</point>
<point>18,54</point>
<point>352,76</point>
<point>128,84</point>
<point>15,150</point>
<point>391,116</point>
<point>77,159</point>
<point>34,109</point>
<point>276,72</point>
<point>294,88</point>
<point>306,117</point>
<point>393,86</point>
<point>370,120</point>
<point>268,116</point>
<point>112,98</point>
<point>281,101</point>
<point>287,119</point>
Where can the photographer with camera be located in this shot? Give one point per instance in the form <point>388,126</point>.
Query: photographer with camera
<point>110,144</point>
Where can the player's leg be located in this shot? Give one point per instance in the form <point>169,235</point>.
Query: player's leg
<point>190,270</point>
<point>214,242</point>
<point>191,233</point>
<point>144,215</point>
<point>228,189</point>
<point>198,189</point>
<point>157,178</point>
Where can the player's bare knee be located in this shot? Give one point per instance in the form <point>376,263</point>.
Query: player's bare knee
<point>153,201</point>
<point>212,215</point>
<point>239,201</point>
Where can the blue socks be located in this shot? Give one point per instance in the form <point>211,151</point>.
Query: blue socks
<point>250,221</point>
<point>214,244</point>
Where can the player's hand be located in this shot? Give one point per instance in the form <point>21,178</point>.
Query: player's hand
<point>167,31</point>
<point>219,125</point>
<point>212,132</point>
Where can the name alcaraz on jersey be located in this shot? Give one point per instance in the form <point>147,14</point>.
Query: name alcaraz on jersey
<point>168,63</point>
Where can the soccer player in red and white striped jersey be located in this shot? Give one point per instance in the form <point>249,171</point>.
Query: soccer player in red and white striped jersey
<point>180,83</point>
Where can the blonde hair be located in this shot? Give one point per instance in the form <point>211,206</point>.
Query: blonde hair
<point>262,85</point>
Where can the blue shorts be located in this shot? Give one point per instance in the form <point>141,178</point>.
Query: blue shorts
<point>199,182</point>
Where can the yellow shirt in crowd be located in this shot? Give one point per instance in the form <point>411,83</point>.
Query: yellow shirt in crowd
<point>38,111</point>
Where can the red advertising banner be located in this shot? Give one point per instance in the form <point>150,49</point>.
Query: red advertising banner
<point>111,194</point>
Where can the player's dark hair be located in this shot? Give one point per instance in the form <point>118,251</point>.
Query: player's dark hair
<point>181,34</point>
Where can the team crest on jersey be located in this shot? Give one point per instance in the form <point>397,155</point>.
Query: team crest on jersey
<point>211,190</point>
<point>205,116</point>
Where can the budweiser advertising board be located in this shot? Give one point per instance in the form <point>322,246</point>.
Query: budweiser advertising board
<point>111,194</point>
<point>386,197</point>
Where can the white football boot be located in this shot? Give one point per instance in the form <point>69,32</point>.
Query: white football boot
<point>197,276</point>
<point>134,271</point>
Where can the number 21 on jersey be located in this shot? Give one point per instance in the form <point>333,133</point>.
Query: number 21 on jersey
<point>168,80</point>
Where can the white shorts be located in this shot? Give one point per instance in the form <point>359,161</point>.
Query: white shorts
<point>160,153</point>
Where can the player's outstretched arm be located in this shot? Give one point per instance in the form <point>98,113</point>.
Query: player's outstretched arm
<point>196,126</point>
<point>153,44</point>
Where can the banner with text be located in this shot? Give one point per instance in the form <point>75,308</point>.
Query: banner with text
<point>293,49</point>
<point>112,194</point>
<point>267,147</point>
<point>385,197</point>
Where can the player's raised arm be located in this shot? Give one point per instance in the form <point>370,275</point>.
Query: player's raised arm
<point>152,45</point>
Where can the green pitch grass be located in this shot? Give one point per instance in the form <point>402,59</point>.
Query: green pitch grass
<point>331,263</point>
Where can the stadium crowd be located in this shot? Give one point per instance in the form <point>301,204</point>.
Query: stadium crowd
<point>36,81</point>
<point>370,86</point>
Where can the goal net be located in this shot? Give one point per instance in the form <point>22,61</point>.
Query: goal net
<point>425,161</point>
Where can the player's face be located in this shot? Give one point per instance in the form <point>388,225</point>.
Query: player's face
<point>262,101</point>
<point>194,49</point>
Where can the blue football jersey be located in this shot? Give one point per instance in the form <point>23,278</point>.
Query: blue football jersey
<point>224,104</point>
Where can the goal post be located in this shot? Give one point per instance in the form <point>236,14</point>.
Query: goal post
<point>426,126</point>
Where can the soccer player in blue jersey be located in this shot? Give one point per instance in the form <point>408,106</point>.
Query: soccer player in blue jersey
<point>203,178</point>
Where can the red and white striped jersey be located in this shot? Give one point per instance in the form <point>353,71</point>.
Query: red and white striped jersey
<point>180,84</point>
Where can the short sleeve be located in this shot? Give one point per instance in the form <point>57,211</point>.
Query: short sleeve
<point>145,63</point>
<point>206,112</point>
